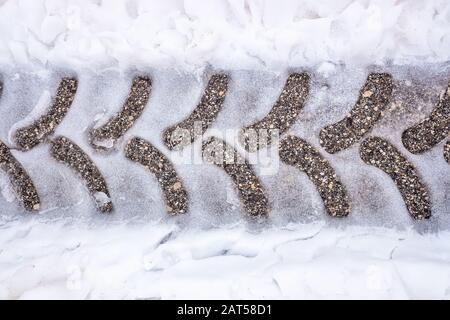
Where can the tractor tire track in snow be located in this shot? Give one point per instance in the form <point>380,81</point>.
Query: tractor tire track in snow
<point>294,151</point>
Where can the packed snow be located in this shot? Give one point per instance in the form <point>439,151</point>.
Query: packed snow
<point>69,250</point>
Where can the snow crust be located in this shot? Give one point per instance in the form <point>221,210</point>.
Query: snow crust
<point>227,34</point>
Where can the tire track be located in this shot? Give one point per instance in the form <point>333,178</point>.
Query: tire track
<point>187,131</point>
<point>294,151</point>
<point>382,154</point>
<point>21,182</point>
<point>67,152</point>
<point>144,153</point>
<point>426,134</point>
<point>30,136</point>
<point>300,154</point>
<point>373,99</point>
<point>104,138</point>
<point>281,117</point>
<point>251,192</point>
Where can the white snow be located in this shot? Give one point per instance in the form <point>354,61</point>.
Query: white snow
<point>6,188</point>
<point>228,34</point>
<point>61,260</point>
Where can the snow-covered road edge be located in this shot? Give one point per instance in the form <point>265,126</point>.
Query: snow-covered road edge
<point>40,260</point>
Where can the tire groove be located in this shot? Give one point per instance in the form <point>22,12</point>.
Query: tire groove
<point>105,137</point>
<point>184,133</point>
<point>66,151</point>
<point>21,182</point>
<point>282,115</point>
<point>251,192</point>
<point>432,130</point>
<point>373,99</point>
<point>383,155</point>
<point>144,153</point>
<point>28,137</point>
<point>297,152</point>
